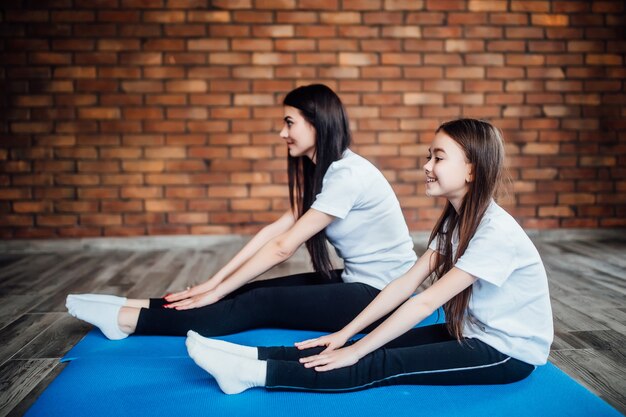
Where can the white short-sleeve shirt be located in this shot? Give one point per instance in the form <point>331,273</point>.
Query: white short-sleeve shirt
<point>510,304</point>
<point>369,232</point>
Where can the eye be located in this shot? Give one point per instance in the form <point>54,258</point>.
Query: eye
<point>428,158</point>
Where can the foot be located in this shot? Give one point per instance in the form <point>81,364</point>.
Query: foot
<point>99,298</point>
<point>233,373</point>
<point>232,348</point>
<point>102,315</point>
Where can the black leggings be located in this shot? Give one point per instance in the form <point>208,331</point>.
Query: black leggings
<point>422,356</point>
<point>303,301</point>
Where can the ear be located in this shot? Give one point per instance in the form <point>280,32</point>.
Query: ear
<point>469,176</point>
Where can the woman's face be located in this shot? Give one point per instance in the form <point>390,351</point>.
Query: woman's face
<point>298,133</point>
<point>448,172</point>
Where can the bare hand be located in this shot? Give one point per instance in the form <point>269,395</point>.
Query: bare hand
<point>195,301</point>
<point>192,291</point>
<point>331,341</point>
<point>332,360</point>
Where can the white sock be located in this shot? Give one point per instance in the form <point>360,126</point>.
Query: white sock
<point>233,373</point>
<point>232,348</point>
<point>101,315</point>
<point>100,298</point>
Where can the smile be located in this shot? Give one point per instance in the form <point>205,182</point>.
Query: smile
<point>429,180</point>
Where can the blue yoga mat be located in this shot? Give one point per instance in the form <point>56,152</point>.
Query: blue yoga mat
<point>154,376</point>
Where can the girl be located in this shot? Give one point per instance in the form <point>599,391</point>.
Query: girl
<point>489,279</point>
<point>335,195</point>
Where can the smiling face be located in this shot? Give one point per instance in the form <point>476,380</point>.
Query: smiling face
<point>298,133</point>
<point>448,172</point>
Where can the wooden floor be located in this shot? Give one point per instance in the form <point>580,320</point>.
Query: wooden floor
<point>587,282</point>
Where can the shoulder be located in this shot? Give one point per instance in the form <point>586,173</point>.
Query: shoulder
<point>498,227</point>
<point>353,164</point>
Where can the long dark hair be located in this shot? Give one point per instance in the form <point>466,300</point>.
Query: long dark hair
<point>484,149</point>
<point>322,108</point>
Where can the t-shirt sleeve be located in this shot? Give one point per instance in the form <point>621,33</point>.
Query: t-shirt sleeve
<point>490,255</point>
<point>433,244</point>
<point>341,189</point>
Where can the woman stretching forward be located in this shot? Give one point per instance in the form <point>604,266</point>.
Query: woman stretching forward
<point>489,279</point>
<point>335,195</point>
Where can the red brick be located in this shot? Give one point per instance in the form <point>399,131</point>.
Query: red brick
<point>442,32</point>
<point>207,127</point>
<point>76,206</point>
<point>465,72</point>
<point>351,31</point>
<point>525,59</point>
<point>55,220</point>
<point>253,72</point>
<point>186,86</point>
<point>250,204</point>
<point>530,6</point>
<point>188,218</point>
<point>122,206</point>
<point>141,192</point>
<point>457,45</point>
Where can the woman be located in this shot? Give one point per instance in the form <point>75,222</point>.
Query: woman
<point>335,195</point>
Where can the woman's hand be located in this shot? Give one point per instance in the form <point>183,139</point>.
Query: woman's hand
<point>336,359</point>
<point>195,301</point>
<point>192,291</point>
<point>331,341</point>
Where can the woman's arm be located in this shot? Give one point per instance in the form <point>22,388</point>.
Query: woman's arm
<point>389,298</point>
<point>402,320</point>
<point>261,238</point>
<point>276,250</point>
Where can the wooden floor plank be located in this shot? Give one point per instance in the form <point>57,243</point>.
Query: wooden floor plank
<point>28,400</point>
<point>592,369</point>
<point>24,330</point>
<point>19,377</point>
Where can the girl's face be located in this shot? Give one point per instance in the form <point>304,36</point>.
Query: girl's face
<point>448,172</point>
<point>298,133</point>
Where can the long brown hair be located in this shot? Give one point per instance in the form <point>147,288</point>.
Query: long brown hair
<point>484,149</point>
<point>322,108</point>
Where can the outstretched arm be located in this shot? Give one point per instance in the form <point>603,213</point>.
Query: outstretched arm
<point>280,226</point>
<point>276,250</point>
<point>394,294</point>
<point>406,317</point>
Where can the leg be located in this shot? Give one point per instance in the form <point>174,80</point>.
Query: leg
<point>414,337</point>
<point>443,363</point>
<point>315,307</point>
<point>307,278</point>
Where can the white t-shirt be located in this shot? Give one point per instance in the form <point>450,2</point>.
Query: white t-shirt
<point>510,302</point>
<point>369,232</point>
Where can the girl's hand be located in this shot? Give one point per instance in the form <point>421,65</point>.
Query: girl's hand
<point>195,301</point>
<point>332,360</point>
<point>192,291</point>
<point>331,341</point>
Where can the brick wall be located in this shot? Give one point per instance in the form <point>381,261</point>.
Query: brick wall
<point>134,117</point>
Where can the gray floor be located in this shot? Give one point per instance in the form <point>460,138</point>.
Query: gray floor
<point>587,272</point>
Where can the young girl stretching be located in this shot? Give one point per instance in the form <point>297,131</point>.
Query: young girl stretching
<point>489,279</point>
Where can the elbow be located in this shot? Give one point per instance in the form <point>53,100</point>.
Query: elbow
<point>424,310</point>
<point>281,250</point>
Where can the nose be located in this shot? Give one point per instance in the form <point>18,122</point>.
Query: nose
<point>283,133</point>
<point>427,166</point>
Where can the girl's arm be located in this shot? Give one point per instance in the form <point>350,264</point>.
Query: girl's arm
<point>264,235</point>
<point>402,320</point>
<point>275,251</point>
<point>389,298</point>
